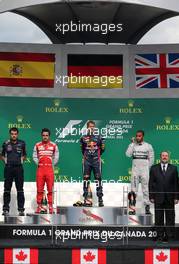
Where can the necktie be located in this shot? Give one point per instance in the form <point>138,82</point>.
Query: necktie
<point>164,169</point>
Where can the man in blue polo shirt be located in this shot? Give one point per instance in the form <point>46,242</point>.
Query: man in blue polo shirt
<point>13,154</point>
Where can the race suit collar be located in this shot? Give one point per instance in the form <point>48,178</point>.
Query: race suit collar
<point>45,143</point>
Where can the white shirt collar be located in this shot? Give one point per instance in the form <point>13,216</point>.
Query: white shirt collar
<point>166,165</point>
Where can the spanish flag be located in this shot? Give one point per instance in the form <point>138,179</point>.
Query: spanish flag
<point>27,69</point>
<point>95,71</point>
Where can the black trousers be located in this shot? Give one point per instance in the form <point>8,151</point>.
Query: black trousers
<point>89,165</point>
<point>165,211</point>
<point>15,173</point>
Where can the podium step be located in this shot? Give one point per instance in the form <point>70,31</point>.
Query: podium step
<point>32,219</point>
<point>93,215</point>
<point>82,216</point>
<point>140,220</point>
<point>103,216</point>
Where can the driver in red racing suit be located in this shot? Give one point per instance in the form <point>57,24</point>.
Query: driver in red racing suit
<point>45,155</point>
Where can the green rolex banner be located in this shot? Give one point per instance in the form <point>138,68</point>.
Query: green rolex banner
<point>116,119</point>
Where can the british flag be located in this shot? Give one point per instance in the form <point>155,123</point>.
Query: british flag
<point>157,70</point>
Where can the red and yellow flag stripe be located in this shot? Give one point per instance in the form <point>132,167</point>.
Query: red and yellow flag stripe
<point>27,69</point>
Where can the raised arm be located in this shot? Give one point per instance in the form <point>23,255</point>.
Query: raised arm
<point>129,151</point>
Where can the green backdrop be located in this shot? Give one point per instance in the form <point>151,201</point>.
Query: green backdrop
<point>159,118</point>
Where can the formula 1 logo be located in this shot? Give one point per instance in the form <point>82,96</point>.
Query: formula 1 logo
<point>93,216</point>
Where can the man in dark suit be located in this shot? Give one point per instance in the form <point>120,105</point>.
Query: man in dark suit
<point>164,193</point>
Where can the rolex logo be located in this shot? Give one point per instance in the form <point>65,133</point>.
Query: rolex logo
<point>130,109</point>
<point>19,118</point>
<point>56,107</point>
<point>19,123</point>
<point>130,103</point>
<point>56,102</point>
<point>168,125</point>
<point>168,120</point>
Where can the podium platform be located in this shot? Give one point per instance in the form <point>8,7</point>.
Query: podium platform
<point>71,227</point>
<point>81,216</point>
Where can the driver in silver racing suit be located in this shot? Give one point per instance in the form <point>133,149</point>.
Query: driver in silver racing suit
<point>143,157</point>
